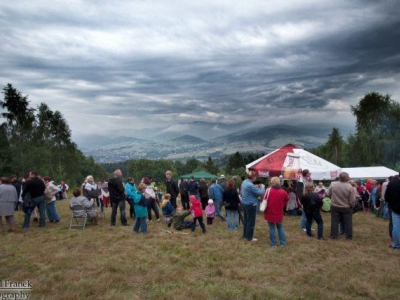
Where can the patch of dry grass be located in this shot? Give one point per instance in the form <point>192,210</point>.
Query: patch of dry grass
<point>112,263</point>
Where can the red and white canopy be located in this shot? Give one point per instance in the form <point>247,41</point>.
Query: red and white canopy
<point>290,160</point>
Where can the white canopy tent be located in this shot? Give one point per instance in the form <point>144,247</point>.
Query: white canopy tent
<point>370,172</point>
<point>290,160</point>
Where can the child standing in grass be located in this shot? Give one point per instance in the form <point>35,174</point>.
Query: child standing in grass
<point>167,208</point>
<point>140,203</point>
<point>195,208</point>
<point>210,212</point>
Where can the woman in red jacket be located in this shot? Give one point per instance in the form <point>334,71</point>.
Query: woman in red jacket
<point>277,199</point>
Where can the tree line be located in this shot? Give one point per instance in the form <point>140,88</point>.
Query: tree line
<point>376,141</point>
<point>40,139</point>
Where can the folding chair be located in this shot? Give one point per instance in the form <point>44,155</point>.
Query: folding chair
<point>78,212</point>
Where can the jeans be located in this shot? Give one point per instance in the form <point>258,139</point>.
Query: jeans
<point>99,203</point>
<point>347,215</point>
<point>249,221</point>
<point>218,206</point>
<point>140,223</point>
<point>152,205</point>
<point>396,230</point>
<point>303,220</point>
<point>233,219</point>
<point>121,205</point>
<point>385,213</point>
<point>317,217</point>
<point>131,208</point>
<point>272,235</point>
<point>173,202</point>
<point>38,202</point>
<point>200,219</point>
<point>51,210</point>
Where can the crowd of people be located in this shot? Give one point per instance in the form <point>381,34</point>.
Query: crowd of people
<point>230,200</point>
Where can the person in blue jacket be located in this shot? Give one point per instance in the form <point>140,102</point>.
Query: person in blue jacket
<point>140,204</point>
<point>130,190</point>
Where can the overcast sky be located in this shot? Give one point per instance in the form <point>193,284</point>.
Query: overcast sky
<point>115,66</point>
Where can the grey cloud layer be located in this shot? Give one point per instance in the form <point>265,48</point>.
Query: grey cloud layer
<point>156,65</point>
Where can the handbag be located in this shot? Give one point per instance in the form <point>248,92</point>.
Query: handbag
<point>264,202</point>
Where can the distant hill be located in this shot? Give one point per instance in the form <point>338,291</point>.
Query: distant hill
<point>181,146</point>
<point>268,133</point>
<point>189,139</point>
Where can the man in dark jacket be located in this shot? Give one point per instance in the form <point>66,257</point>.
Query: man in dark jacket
<point>172,188</point>
<point>192,187</point>
<point>117,197</point>
<point>184,194</point>
<point>33,195</point>
<point>392,197</point>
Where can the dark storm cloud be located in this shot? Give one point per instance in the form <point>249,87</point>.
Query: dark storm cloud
<point>161,65</point>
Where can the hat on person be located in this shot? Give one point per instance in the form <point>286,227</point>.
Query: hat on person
<point>210,201</point>
<point>222,176</point>
<point>192,198</point>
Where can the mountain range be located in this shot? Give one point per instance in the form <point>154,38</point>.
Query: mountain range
<point>177,145</point>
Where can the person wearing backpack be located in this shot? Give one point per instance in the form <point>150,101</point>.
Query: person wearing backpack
<point>312,204</point>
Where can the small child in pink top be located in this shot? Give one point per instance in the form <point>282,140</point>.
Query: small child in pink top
<point>210,212</point>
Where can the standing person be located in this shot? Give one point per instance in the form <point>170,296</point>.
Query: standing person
<point>374,196</point>
<point>167,208</point>
<point>222,181</point>
<point>18,186</point>
<point>172,188</point>
<point>117,197</point>
<point>250,194</point>
<point>64,189</point>
<point>392,197</point>
<point>8,199</point>
<point>105,195</point>
<point>184,194</point>
<point>210,212</point>
<point>203,191</point>
<point>35,187</point>
<point>384,206</point>
<point>231,202</point>
<point>192,187</point>
<point>306,178</point>
<point>343,198</point>
<point>152,203</point>
<point>140,202</point>
<point>216,193</point>
<point>130,190</point>
<point>50,196</point>
<point>277,199</point>
<point>197,212</point>
<point>312,204</point>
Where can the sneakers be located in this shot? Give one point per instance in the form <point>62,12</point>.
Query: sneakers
<point>158,220</point>
<point>253,240</point>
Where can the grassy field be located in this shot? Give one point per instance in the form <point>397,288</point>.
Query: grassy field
<point>106,262</point>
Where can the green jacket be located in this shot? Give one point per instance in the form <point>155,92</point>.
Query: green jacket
<point>178,219</point>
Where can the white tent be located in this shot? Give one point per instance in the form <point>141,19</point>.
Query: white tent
<point>289,160</point>
<point>370,172</point>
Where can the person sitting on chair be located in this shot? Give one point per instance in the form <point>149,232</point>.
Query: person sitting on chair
<point>88,206</point>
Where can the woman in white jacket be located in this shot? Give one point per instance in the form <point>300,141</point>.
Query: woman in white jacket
<point>50,196</point>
